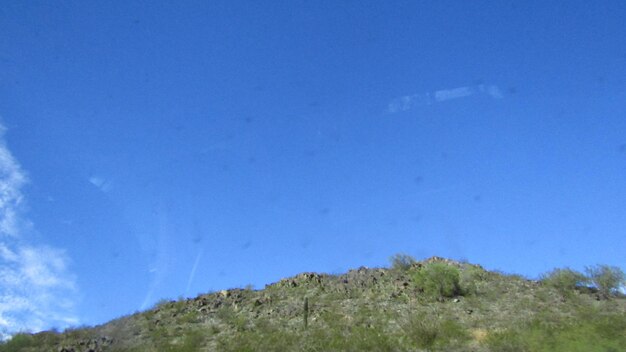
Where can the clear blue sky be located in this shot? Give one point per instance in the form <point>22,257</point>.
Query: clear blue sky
<point>162,149</point>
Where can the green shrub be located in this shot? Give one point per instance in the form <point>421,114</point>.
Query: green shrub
<point>191,343</point>
<point>401,262</point>
<point>17,343</point>
<point>469,277</point>
<point>362,338</point>
<point>269,340</point>
<point>564,280</point>
<point>426,332</point>
<point>189,317</point>
<point>439,280</point>
<point>580,334</point>
<point>506,341</point>
<point>162,303</point>
<point>607,279</point>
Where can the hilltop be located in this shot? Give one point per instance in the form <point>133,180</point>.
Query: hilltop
<point>432,305</point>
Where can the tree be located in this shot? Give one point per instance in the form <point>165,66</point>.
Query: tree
<point>564,280</point>
<point>401,262</point>
<point>607,279</point>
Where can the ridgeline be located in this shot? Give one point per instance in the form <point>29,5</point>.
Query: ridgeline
<point>431,305</point>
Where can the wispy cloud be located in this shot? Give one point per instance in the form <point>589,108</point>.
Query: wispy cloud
<point>408,102</point>
<point>455,93</point>
<point>103,184</point>
<point>36,287</point>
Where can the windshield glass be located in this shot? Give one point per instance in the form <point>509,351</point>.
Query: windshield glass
<point>156,150</point>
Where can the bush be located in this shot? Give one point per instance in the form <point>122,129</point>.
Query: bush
<point>439,280</point>
<point>607,279</point>
<point>427,332</point>
<point>470,276</point>
<point>17,343</point>
<point>401,262</point>
<point>422,331</point>
<point>580,333</point>
<point>564,280</point>
<point>192,341</point>
<point>506,341</point>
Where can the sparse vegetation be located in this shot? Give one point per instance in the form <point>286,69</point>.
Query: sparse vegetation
<point>431,305</point>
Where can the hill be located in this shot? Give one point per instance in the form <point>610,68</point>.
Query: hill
<point>432,305</point>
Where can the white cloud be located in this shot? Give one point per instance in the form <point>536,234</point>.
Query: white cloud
<point>36,287</point>
<point>11,180</point>
<point>408,102</point>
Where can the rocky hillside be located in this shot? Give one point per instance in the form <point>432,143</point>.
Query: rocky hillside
<point>433,305</point>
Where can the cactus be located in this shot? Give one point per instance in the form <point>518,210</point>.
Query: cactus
<point>306,312</point>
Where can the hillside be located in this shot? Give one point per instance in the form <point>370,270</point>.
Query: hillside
<point>432,305</point>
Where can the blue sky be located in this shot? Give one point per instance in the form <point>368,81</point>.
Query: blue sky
<point>157,150</point>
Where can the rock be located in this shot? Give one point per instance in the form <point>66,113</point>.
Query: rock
<point>262,300</point>
<point>106,341</point>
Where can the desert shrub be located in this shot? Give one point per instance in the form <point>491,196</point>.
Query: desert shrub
<point>422,332</point>
<point>592,334</point>
<point>188,318</point>
<point>452,333</point>
<point>401,262</point>
<point>78,333</point>
<point>607,279</point>
<point>439,280</point>
<point>46,338</point>
<point>360,338</point>
<point>430,333</point>
<point>17,343</point>
<point>266,340</point>
<point>230,317</point>
<point>564,280</point>
<point>506,341</point>
<point>162,303</point>
<point>192,341</point>
<point>469,277</point>
<point>189,341</point>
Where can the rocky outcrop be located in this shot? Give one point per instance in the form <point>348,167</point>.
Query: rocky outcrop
<point>88,345</point>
